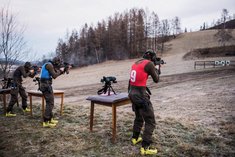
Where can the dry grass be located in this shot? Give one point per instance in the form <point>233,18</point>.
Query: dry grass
<point>24,136</point>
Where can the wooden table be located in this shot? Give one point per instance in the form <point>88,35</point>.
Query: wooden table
<point>4,92</point>
<point>37,93</point>
<point>111,101</point>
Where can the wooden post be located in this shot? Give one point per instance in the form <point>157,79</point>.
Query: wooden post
<point>61,105</point>
<point>4,102</point>
<point>91,116</point>
<point>31,104</point>
<point>114,115</point>
<point>43,108</point>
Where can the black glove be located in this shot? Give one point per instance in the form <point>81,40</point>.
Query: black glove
<point>61,72</point>
<point>158,71</point>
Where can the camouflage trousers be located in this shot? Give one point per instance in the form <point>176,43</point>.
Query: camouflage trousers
<point>19,89</point>
<point>48,94</point>
<point>144,115</point>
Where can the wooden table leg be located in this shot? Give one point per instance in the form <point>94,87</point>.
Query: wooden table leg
<point>62,103</point>
<point>114,115</point>
<point>4,103</point>
<point>30,105</point>
<point>43,107</point>
<point>92,116</point>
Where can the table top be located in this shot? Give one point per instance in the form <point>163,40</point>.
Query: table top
<point>114,98</point>
<point>39,92</point>
<point>2,91</point>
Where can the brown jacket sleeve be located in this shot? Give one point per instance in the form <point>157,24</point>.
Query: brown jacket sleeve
<point>52,71</point>
<point>23,72</point>
<point>151,70</point>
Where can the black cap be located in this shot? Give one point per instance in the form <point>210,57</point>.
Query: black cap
<point>27,65</point>
<point>150,55</point>
<point>56,61</point>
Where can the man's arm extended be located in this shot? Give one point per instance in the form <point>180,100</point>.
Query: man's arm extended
<point>151,70</point>
<point>51,70</point>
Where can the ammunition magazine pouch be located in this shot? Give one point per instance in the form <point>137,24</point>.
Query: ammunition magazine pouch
<point>45,85</point>
<point>13,85</point>
<point>43,80</point>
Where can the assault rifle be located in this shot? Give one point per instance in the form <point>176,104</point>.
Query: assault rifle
<point>37,80</point>
<point>7,83</point>
<point>36,69</point>
<point>158,61</point>
<point>66,67</point>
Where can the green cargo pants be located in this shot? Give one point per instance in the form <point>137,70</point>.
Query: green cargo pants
<point>19,89</point>
<point>47,92</point>
<point>144,115</point>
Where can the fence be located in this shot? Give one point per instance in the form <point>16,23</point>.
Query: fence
<point>213,64</point>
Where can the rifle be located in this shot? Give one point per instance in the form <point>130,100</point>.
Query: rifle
<point>7,83</point>
<point>67,66</point>
<point>37,80</point>
<point>36,69</point>
<point>64,65</point>
<point>158,61</point>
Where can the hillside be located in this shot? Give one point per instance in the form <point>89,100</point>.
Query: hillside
<point>194,110</point>
<point>228,25</point>
<point>173,57</point>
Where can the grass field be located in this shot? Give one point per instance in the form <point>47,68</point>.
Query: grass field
<point>24,136</point>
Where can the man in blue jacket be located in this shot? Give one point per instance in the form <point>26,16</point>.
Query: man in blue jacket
<point>49,71</point>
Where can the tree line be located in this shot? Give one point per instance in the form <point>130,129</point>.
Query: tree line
<point>220,23</point>
<point>122,36</point>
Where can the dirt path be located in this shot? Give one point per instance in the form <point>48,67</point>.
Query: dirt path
<point>188,97</point>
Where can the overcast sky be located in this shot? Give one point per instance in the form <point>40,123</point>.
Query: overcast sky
<point>48,20</point>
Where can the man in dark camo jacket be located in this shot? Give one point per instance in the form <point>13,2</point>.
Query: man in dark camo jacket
<point>17,88</point>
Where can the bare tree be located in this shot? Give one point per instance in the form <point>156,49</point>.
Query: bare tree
<point>224,17</point>
<point>12,44</point>
<point>224,35</point>
<point>147,30</point>
<point>122,36</point>
<point>175,24</point>
<point>155,28</point>
<point>164,32</point>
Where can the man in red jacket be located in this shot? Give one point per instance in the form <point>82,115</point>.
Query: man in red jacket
<point>141,103</point>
